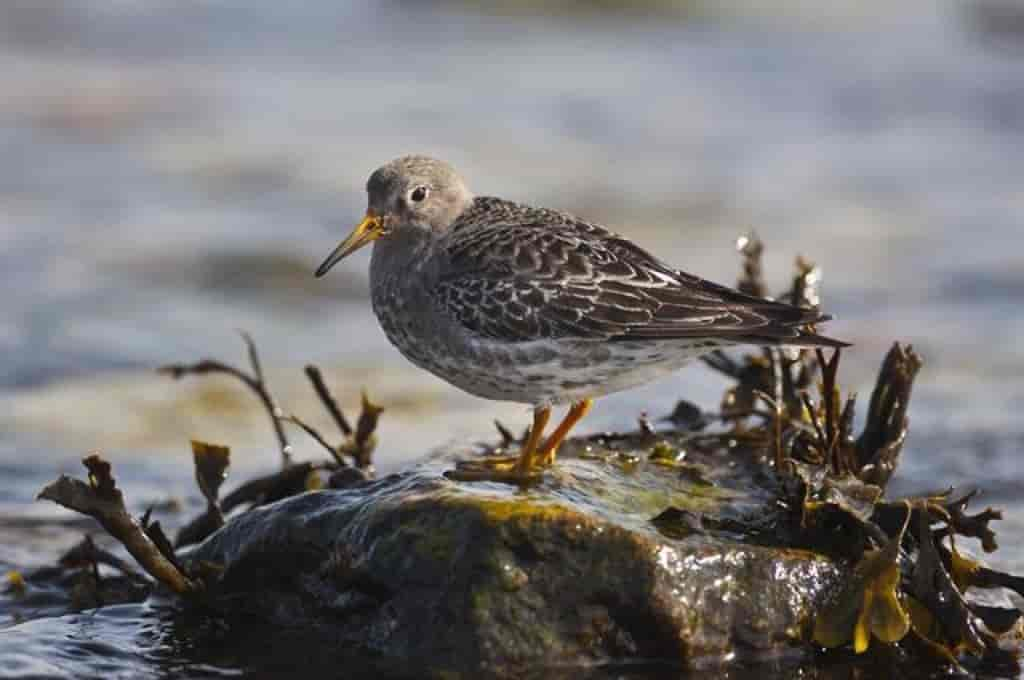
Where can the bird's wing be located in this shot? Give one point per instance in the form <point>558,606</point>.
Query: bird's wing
<point>548,275</point>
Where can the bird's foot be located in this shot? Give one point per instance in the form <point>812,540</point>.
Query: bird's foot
<point>528,467</point>
<point>517,470</point>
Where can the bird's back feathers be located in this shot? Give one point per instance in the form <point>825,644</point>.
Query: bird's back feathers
<point>519,273</point>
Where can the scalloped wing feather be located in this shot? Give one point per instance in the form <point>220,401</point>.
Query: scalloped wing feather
<point>518,273</point>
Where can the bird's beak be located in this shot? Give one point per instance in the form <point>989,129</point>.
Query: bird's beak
<point>370,229</point>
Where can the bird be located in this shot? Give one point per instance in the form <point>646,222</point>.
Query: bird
<point>518,303</point>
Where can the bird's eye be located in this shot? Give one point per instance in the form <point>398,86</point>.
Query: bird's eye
<point>418,194</point>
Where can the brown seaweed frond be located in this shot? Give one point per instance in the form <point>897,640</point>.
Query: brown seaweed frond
<point>906,587</point>
<point>973,526</point>
<point>752,280</point>
<point>869,603</point>
<point>944,617</point>
<point>211,464</point>
<point>885,429</point>
<point>101,499</point>
<point>364,441</point>
<point>848,488</point>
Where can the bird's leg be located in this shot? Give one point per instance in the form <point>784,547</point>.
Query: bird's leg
<point>576,413</point>
<point>528,456</point>
<point>522,469</point>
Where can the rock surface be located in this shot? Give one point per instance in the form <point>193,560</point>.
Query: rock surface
<point>468,577</point>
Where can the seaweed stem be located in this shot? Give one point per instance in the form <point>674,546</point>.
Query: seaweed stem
<point>101,499</point>
<point>87,552</point>
<point>317,437</point>
<point>752,280</point>
<point>255,382</point>
<point>330,403</point>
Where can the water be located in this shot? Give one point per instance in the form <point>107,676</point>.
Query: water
<point>171,173</point>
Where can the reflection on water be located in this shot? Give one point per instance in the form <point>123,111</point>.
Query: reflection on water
<point>171,173</point>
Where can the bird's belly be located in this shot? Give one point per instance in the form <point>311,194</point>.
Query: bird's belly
<point>484,368</point>
<point>582,373</point>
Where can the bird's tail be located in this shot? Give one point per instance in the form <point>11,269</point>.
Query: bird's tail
<point>805,338</point>
<point>796,333</point>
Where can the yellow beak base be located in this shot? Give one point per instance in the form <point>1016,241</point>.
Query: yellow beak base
<point>365,232</point>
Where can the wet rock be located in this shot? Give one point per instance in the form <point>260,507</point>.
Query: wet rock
<point>471,577</point>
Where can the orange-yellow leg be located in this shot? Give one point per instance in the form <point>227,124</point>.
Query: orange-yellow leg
<point>521,469</point>
<point>525,469</point>
<point>527,456</point>
<point>576,413</point>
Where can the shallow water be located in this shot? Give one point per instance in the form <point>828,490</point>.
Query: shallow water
<point>171,173</point>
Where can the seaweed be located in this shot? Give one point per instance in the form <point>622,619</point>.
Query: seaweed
<point>907,587</point>
<point>351,462</point>
<point>254,381</point>
<point>211,462</point>
<point>101,499</point>
<point>868,605</point>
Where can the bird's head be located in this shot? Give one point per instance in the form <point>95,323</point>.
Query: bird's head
<point>411,195</point>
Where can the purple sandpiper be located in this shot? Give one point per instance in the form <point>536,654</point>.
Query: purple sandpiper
<point>524,304</point>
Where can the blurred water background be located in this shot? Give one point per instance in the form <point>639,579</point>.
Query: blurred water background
<point>171,172</point>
